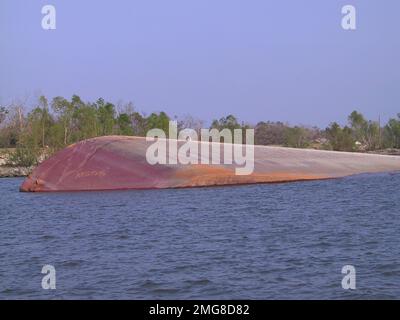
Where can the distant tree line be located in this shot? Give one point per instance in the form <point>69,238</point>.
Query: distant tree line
<point>54,124</point>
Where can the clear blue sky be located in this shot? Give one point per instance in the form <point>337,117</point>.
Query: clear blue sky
<point>258,59</point>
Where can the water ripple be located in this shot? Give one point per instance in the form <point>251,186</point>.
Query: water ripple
<point>284,241</point>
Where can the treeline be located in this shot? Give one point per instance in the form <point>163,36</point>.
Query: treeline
<point>54,124</point>
<point>359,134</point>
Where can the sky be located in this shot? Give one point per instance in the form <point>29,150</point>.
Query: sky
<point>286,60</point>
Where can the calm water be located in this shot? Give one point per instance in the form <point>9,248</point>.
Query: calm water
<point>258,242</point>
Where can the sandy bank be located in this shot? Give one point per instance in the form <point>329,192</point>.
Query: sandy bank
<point>13,172</point>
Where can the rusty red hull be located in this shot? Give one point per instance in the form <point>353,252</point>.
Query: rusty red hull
<point>117,163</point>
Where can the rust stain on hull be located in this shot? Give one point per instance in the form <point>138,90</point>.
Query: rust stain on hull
<point>119,163</point>
<point>205,175</point>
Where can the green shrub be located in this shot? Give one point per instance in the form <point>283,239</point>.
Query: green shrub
<point>23,157</point>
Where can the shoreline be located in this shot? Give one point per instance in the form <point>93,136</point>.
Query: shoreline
<point>15,172</point>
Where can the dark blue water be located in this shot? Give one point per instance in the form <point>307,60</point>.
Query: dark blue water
<point>257,242</point>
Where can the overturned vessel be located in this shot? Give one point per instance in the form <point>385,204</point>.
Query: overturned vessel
<point>119,162</point>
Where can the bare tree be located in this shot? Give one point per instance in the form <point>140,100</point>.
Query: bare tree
<point>190,122</point>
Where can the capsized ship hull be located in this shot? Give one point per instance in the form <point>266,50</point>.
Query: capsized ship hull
<point>118,163</point>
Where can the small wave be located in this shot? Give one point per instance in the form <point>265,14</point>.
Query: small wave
<point>72,263</point>
<point>198,282</point>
